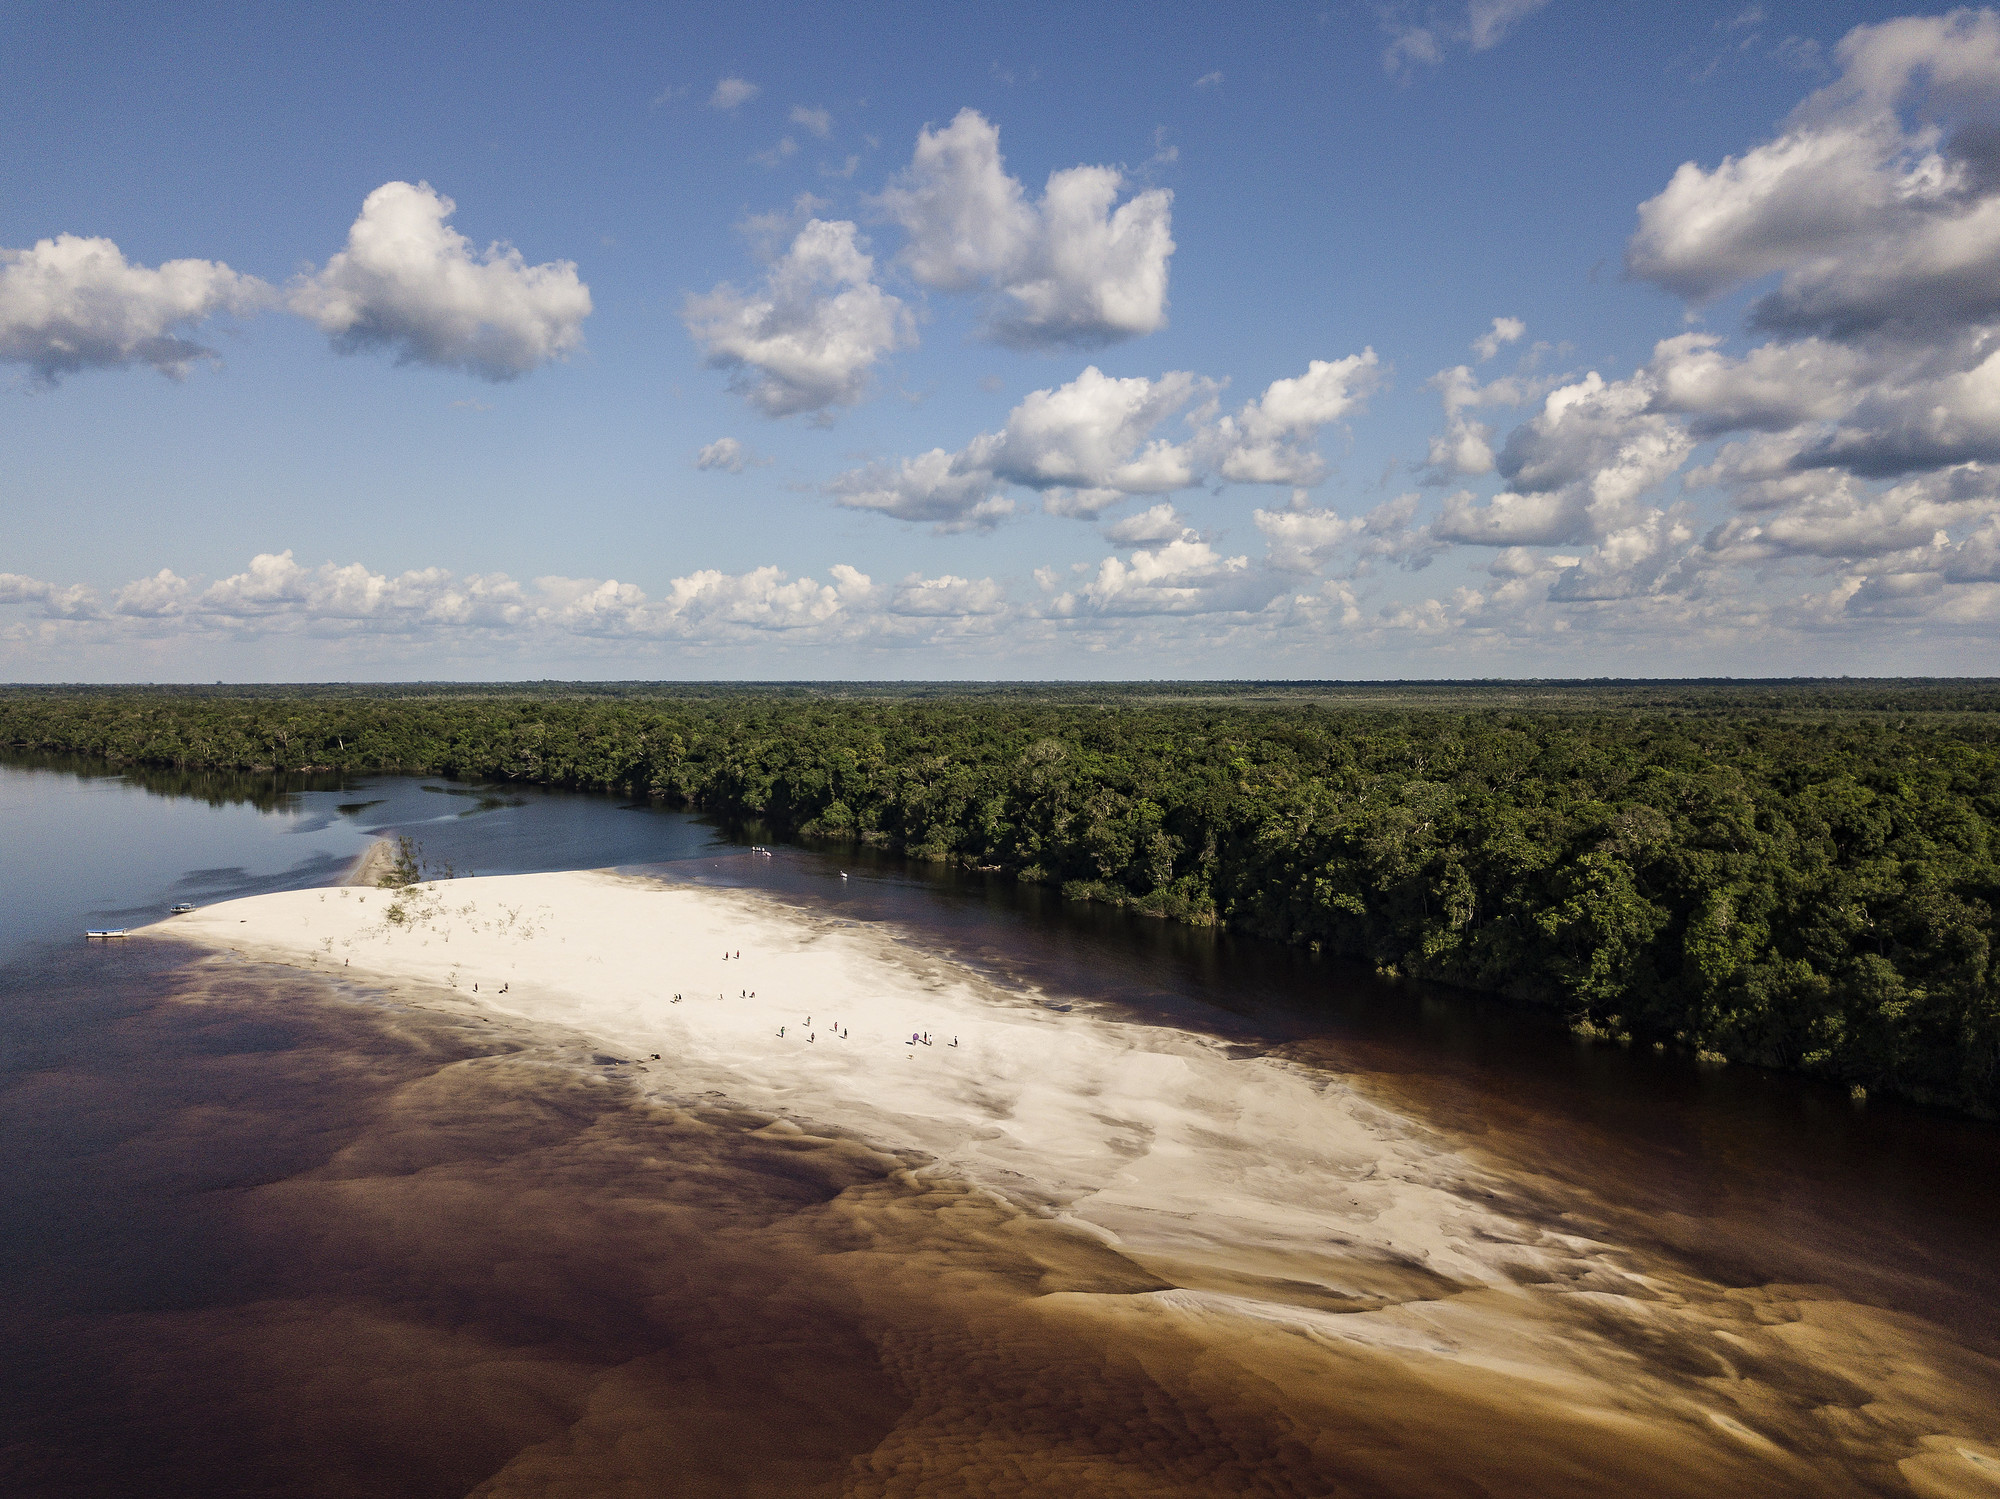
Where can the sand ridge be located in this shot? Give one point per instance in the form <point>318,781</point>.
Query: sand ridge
<point>378,859</point>
<point>1145,1131</point>
<point>1271,1199</point>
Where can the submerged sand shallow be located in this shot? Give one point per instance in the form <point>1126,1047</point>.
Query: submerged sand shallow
<point>1126,1239</point>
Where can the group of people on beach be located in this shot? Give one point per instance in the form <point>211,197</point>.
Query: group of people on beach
<point>812,1036</point>
<point>917,1038</point>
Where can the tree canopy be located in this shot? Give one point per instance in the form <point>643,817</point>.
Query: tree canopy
<point>1800,875</point>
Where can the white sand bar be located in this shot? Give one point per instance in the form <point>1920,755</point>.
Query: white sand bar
<point>1260,1189</point>
<point>1154,1135</point>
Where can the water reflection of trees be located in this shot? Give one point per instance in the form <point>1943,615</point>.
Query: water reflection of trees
<point>267,791</point>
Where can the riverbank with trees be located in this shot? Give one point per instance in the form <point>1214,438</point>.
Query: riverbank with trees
<point>1797,875</point>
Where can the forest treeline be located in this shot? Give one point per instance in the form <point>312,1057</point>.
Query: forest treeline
<point>1692,694</point>
<point>1749,874</point>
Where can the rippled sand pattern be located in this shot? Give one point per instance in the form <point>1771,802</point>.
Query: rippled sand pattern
<point>298,1237</point>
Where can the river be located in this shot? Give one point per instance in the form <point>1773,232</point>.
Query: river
<point>266,1234</point>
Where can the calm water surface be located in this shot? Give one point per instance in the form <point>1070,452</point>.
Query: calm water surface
<point>178,1148</point>
<point>89,849</point>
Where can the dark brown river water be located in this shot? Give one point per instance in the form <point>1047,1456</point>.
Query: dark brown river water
<point>262,1234</point>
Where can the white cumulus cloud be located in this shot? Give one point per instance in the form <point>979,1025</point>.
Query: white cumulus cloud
<point>1150,527</point>
<point>1271,440</point>
<point>1184,576</point>
<point>1093,433</point>
<point>725,454</point>
<point>1601,436</point>
<point>929,487</point>
<point>1304,538</point>
<point>1505,330</point>
<point>1095,442</point>
<point>732,92</point>
<point>57,601</point>
<point>1423,33</point>
<point>72,303</point>
<point>1860,434</point>
<point>948,596</point>
<point>410,283</point>
<point>813,118</point>
<point>808,338</point>
<point>1873,222</point>
<point>1078,268</point>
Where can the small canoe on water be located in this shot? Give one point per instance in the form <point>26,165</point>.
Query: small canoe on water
<point>106,932</point>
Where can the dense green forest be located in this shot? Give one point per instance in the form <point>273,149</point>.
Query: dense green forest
<point>1801,875</point>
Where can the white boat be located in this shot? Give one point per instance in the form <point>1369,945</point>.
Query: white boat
<point>106,932</point>
<point>182,909</point>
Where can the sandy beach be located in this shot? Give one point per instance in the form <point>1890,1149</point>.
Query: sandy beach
<point>375,861</point>
<point>1262,1237</point>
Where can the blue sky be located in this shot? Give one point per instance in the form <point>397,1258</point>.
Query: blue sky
<point>794,360</point>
